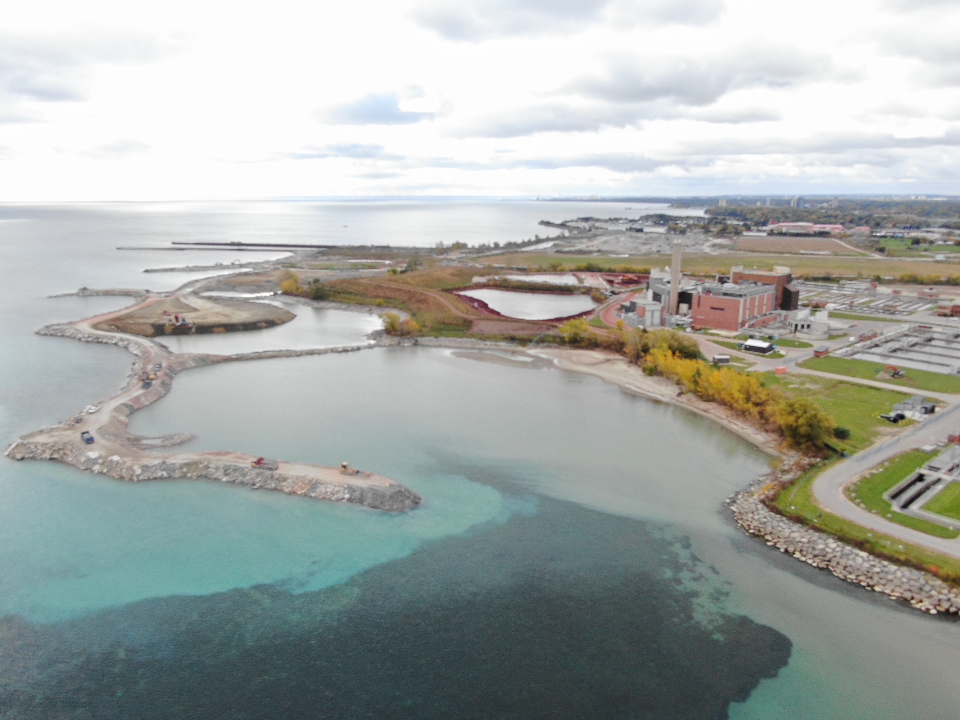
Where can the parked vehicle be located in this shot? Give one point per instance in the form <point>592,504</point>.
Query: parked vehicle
<point>86,437</point>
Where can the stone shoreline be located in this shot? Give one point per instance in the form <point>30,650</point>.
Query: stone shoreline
<point>921,590</point>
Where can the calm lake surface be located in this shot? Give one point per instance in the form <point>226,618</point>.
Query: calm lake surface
<point>532,306</point>
<point>572,557</point>
<point>311,328</point>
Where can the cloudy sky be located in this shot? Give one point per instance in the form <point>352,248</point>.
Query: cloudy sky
<point>183,100</point>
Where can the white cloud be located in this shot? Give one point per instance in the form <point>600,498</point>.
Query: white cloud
<point>477,20</point>
<point>476,96</point>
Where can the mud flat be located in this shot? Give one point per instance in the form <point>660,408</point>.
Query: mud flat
<point>123,456</point>
<point>199,315</point>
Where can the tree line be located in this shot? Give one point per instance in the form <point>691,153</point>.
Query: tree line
<point>677,357</point>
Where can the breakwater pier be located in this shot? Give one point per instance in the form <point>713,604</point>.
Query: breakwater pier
<point>121,455</point>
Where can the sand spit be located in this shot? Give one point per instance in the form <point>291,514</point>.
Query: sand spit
<point>193,314</point>
<point>124,456</point>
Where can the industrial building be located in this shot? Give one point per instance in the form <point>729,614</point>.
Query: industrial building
<point>726,306</point>
<point>787,295</point>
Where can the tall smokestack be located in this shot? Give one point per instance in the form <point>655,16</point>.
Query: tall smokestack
<point>675,278</point>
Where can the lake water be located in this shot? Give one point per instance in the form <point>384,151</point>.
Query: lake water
<point>311,328</point>
<point>572,557</point>
<point>532,306</point>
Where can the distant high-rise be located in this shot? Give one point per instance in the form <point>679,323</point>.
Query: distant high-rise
<point>723,202</point>
<point>797,202</point>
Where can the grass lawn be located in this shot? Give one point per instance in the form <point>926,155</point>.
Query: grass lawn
<point>946,502</point>
<point>818,266</point>
<point>796,502</point>
<point>793,343</point>
<point>870,492</point>
<point>870,318</point>
<point>856,407</point>
<point>867,370</point>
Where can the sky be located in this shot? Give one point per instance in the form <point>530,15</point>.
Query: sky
<point>214,100</point>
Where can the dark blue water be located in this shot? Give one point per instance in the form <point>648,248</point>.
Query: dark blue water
<point>559,613</point>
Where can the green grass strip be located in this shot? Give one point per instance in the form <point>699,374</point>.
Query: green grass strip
<point>946,502</point>
<point>792,343</point>
<point>869,370</point>
<point>870,492</point>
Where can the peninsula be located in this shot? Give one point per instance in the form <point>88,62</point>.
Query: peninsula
<point>121,455</point>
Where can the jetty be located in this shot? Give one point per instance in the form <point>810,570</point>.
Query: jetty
<point>123,456</point>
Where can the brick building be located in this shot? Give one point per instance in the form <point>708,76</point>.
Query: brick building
<point>732,307</point>
<point>787,296</point>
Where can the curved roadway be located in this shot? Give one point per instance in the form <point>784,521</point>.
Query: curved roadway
<point>828,487</point>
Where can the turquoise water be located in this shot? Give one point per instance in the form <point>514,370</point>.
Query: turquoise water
<point>572,557</point>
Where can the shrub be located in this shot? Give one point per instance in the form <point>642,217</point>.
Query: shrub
<point>290,283</point>
<point>319,292</point>
<point>841,433</point>
<point>578,333</point>
<point>393,325</point>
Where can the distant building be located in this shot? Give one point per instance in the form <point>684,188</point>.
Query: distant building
<point>804,228</point>
<point>732,307</point>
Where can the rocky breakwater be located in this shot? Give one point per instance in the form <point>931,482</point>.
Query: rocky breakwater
<point>122,456</point>
<point>380,494</point>
<point>922,590</point>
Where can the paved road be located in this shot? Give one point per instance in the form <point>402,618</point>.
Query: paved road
<point>828,487</point>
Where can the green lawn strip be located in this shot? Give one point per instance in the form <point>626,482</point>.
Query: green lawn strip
<point>855,407</point>
<point>868,370</point>
<point>870,492</point>
<point>796,502</point>
<point>871,318</point>
<point>946,502</point>
<point>792,343</point>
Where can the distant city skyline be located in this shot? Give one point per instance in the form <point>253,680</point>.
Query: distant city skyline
<point>613,98</point>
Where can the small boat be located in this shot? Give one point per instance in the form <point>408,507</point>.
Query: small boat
<point>91,409</point>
